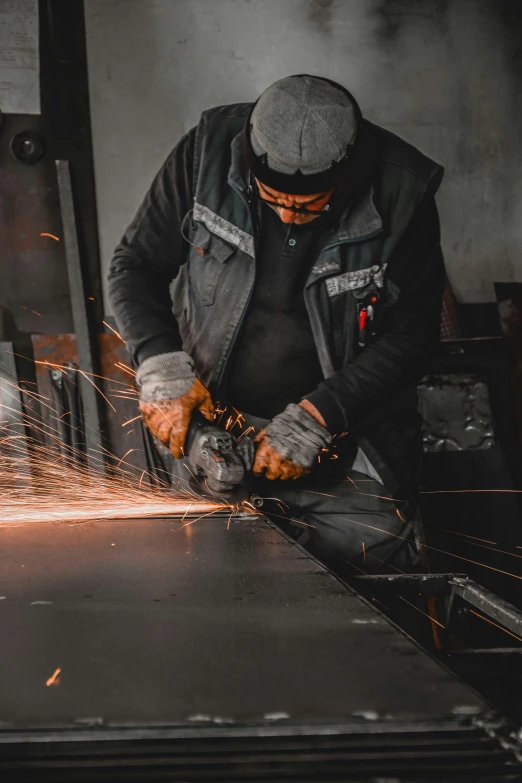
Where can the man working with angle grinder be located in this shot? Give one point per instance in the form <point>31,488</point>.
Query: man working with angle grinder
<point>286,261</point>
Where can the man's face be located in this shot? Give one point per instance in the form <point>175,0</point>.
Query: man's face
<point>280,203</point>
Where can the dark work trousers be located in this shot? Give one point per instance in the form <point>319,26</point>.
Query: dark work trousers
<point>350,524</point>
<point>343,517</point>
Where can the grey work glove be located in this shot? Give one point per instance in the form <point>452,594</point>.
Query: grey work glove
<point>289,445</point>
<point>165,376</point>
<point>169,393</point>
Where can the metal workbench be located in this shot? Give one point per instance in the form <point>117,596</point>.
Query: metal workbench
<point>217,650</point>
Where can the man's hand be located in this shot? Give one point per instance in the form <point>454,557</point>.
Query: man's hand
<point>289,445</point>
<point>272,464</point>
<point>312,410</point>
<point>169,420</point>
<point>169,393</point>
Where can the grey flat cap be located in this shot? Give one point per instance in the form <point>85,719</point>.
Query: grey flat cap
<point>301,133</point>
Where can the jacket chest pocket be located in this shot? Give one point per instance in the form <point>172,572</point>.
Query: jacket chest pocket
<point>207,258</point>
<point>358,302</point>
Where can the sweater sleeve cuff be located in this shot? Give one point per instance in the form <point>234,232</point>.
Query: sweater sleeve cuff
<point>157,345</point>
<point>329,408</point>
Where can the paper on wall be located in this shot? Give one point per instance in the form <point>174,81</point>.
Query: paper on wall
<point>19,57</point>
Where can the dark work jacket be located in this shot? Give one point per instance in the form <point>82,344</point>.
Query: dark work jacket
<point>374,247</point>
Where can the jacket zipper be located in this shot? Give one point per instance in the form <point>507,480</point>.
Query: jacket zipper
<point>255,236</point>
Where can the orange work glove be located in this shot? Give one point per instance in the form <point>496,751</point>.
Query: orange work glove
<point>272,464</point>
<point>168,420</point>
<point>169,393</point>
<point>300,433</point>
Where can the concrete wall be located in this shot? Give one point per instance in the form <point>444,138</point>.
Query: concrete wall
<point>444,74</point>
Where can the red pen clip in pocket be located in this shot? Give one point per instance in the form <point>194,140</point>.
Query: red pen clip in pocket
<point>366,313</point>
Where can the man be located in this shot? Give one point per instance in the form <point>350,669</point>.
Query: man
<point>303,245</point>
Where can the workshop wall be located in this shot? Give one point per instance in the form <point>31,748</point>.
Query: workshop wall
<point>445,75</point>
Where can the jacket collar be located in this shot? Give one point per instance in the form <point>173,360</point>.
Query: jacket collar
<point>356,222</point>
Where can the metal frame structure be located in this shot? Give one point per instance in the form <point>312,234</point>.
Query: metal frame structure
<point>85,340</point>
<point>459,593</point>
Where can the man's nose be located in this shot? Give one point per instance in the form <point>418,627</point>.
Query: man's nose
<point>286,215</point>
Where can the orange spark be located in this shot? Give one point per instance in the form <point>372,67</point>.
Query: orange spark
<point>435,549</point>
<point>86,376</point>
<point>130,420</point>
<point>64,369</point>
<point>405,632</point>
<point>65,488</point>
<point>487,620</point>
<point>491,549</point>
<point>54,680</point>
<point>113,330</point>
<point>125,368</point>
<point>485,540</point>
<point>186,512</point>
<point>433,620</point>
<point>193,521</point>
<point>364,551</point>
<point>51,236</point>
<point>364,494</point>
<point>239,419</point>
<point>34,312</point>
<point>299,522</point>
<point>246,432</point>
<point>458,491</point>
<point>323,494</point>
<point>248,505</point>
<point>125,455</point>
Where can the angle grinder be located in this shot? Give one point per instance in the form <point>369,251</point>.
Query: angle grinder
<point>215,454</point>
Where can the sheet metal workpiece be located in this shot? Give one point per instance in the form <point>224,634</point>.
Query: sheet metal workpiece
<point>205,631</point>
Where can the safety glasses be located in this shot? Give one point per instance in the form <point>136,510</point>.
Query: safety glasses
<point>298,210</point>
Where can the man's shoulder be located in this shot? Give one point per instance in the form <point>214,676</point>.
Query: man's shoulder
<point>219,125</point>
<point>230,110</point>
<point>398,154</point>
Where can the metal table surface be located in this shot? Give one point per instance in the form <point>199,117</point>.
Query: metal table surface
<point>156,624</point>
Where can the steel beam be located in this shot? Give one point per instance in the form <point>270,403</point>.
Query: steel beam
<point>85,342</point>
<point>19,405</point>
<point>504,613</point>
<point>403,584</point>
